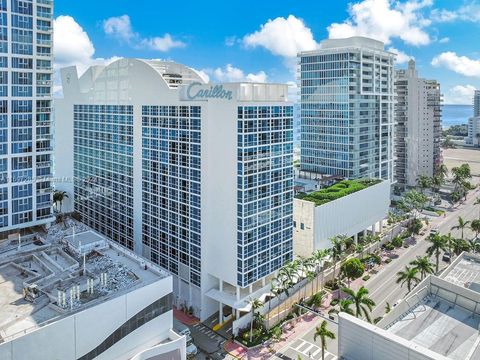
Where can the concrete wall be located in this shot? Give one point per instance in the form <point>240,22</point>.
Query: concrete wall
<point>348,215</point>
<point>359,340</point>
<point>77,334</point>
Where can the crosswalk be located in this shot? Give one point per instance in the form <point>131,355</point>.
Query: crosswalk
<point>207,332</point>
<point>308,351</point>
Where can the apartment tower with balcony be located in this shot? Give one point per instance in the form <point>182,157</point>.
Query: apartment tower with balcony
<point>347,109</point>
<point>418,120</point>
<point>25,113</point>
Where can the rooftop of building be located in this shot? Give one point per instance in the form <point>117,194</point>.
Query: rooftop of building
<point>46,278</point>
<point>464,271</point>
<point>442,313</point>
<point>441,327</point>
<point>331,188</point>
<point>354,42</point>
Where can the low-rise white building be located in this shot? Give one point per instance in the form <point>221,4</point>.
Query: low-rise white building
<point>315,224</point>
<point>439,320</point>
<point>473,138</point>
<point>82,299</point>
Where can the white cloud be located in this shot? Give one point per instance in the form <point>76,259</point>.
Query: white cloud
<point>121,28</point>
<point>384,20</point>
<point>71,43</point>
<point>283,37</point>
<point>460,94</point>
<point>230,40</point>
<point>469,12</point>
<point>444,40</point>
<point>203,74</point>
<point>229,73</point>
<point>163,44</point>
<point>73,47</point>
<point>460,64</point>
<point>402,57</point>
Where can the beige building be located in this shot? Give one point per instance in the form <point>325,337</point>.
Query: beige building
<point>418,126</point>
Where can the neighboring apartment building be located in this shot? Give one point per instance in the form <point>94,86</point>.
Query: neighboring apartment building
<point>84,298</point>
<point>476,103</point>
<point>196,177</point>
<point>418,126</point>
<point>473,138</point>
<point>347,109</point>
<point>25,113</point>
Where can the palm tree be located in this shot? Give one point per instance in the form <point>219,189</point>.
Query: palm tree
<point>424,182</point>
<point>477,202</point>
<point>438,243</point>
<point>336,251</point>
<point>319,257</point>
<point>363,304</point>
<point>58,197</point>
<point>475,227</point>
<point>254,304</point>
<point>442,171</point>
<point>423,266</point>
<point>462,224</point>
<point>323,333</point>
<point>317,299</point>
<point>409,276</point>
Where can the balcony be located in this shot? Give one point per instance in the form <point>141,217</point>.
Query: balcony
<point>47,190</point>
<point>44,137</point>
<point>44,164</point>
<point>44,149</point>
<point>44,109</point>
<point>44,123</point>
<point>44,15</point>
<point>44,82</point>
<point>47,29</point>
<point>42,42</point>
<point>45,2</point>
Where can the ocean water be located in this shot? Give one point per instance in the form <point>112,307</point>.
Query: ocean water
<point>456,114</point>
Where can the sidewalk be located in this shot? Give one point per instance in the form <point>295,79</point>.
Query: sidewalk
<point>184,318</point>
<point>291,331</point>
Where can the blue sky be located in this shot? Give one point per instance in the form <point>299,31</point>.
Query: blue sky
<point>258,40</point>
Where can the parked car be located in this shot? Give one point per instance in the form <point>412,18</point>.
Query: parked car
<point>433,232</point>
<point>183,330</point>
<point>446,256</point>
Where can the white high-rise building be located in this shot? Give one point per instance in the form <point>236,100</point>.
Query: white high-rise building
<point>473,138</point>
<point>476,103</point>
<point>347,109</point>
<point>418,126</point>
<point>25,113</point>
<point>196,177</point>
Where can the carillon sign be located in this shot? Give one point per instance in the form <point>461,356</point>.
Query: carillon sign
<point>199,91</point>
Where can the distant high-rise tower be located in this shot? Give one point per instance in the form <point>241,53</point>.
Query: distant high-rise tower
<point>25,113</point>
<point>476,103</point>
<point>418,126</point>
<point>347,109</point>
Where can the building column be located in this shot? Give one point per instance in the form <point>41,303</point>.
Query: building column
<point>237,314</point>
<point>220,313</point>
<point>238,293</point>
<point>355,238</point>
<point>250,289</point>
<point>263,281</point>
<point>373,229</point>
<point>381,225</point>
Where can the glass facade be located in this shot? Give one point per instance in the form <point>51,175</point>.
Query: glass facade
<point>265,191</point>
<point>103,169</point>
<point>171,169</point>
<point>25,111</point>
<point>347,113</point>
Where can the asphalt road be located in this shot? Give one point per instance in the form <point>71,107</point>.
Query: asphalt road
<point>382,286</point>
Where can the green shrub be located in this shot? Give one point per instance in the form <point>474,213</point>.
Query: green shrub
<point>366,278</point>
<point>334,302</point>
<point>397,241</point>
<point>388,261</point>
<point>336,191</point>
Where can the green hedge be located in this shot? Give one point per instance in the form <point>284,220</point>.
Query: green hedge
<point>336,191</point>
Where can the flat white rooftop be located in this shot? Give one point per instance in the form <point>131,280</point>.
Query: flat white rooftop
<point>441,327</point>
<point>465,272</point>
<point>55,268</point>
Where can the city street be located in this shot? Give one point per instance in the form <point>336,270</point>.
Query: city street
<point>382,286</point>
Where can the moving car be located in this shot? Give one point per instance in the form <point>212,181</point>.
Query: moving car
<point>446,256</point>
